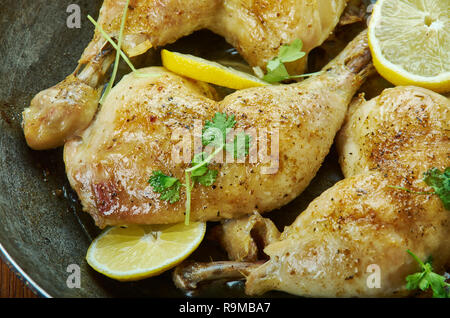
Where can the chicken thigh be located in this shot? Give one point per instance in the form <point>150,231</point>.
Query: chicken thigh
<point>363,224</point>
<point>256,28</point>
<point>109,165</point>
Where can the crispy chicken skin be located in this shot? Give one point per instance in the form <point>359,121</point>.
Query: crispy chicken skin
<point>332,247</point>
<point>388,141</point>
<point>257,28</point>
<point>73,105</point>
<point>362,224</point>
<point>131,137</point>
<point>416,135</point>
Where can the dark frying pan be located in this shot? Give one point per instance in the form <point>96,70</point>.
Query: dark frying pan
<point>42,227</point>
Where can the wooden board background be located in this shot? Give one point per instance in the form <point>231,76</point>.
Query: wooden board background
<point>11,286</point>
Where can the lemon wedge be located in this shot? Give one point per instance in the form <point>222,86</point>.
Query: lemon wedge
<point>410,42</point>
<point>208,71</point>
<point>140,251</point>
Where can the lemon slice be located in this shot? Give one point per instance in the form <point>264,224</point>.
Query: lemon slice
<point>208,71</point>
<point>410,42</point>
<point>140,251</point>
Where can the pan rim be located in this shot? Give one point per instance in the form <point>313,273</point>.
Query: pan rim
<point>21,274</point>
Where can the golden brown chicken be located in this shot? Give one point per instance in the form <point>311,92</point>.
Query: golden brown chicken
<point>257,28</point>
<point>363,224</point>
<point>109,165</point>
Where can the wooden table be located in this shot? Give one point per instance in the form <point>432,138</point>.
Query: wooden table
<point>11,286</point>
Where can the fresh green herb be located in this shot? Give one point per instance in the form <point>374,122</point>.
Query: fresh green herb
<point>427,278</point>
<point>189,188</point>
<point>119,45</point>
<point>215,131</point>
<point>168,187</point>
<point>276,70</point>
<point>113,44</point>
<point>207,179</point>
<point>202,174</point>
<point>292,52</point>
<point>201,165</point>
<point>439,181</point>
<point>214,134</point>
<point>119,52</point>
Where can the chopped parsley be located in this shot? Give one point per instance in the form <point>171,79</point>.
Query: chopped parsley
<point>214,134</point>
<point>168,187</point>
<point>202,174</point>
<point>207,179</point>
<point>215,131</point>
<point>276,70</point>
<point>440,182</point>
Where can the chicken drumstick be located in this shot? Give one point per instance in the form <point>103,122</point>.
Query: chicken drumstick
<point>256,28</point>
<point>132,137</point>
<point>363,223</point>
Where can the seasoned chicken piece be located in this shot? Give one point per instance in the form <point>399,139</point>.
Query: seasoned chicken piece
<point>257,28</point>
<point>413,121</point>
<point>67,108</point>
<point>363,226</point>
<point>358,226</point>
<point>110,164</point>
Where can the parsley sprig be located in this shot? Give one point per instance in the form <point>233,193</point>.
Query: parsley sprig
<point>214,134</point>
<point>439,181</point>
<point>168,187</point>
<point>276,70</point>
<point>426,278</point>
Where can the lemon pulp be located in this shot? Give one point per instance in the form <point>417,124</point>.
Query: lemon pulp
<point>140,251</point>
<point>410,42</point>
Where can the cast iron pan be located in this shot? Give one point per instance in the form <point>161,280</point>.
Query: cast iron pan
<point>42,227</point>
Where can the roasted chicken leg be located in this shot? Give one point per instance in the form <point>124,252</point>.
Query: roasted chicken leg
<point>109,165</point>
<point>257,28</point>
<point>363,225</point>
